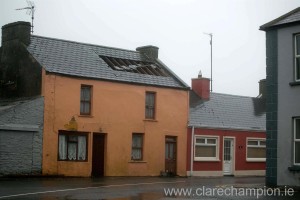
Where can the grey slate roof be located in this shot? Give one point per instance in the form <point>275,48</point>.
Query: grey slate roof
<point>82,60</point>
<point>225,111</point>
<point>288,18</point>
<point>25,112</point>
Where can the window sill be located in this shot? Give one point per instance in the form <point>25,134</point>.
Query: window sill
<point>80,161</point>
<point>150,120</point>
<point>137,161</point>
<point>206,160</point>
<point>255,160</point>
<point>294,168</point>
<point>295,83</point>
<point>87,116</point>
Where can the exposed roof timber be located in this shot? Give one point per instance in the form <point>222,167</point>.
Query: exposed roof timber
<point>140,67</point>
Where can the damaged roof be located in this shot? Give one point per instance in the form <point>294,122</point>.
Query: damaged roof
<point>286,19</point>
<point>100,62</point>
<point>224,111</point>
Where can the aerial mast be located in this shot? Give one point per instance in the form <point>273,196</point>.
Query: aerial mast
<point>211,80</point>
<point>30,11</point>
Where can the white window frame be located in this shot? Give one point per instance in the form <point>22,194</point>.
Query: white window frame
<point>295,139</point>
<point>217,145</point>
<point>259,145</point>
<point>296,56</point>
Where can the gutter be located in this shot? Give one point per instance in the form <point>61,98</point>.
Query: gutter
<point>192,151</point>
<point>228,128</point>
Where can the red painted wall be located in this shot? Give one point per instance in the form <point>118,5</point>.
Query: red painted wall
<point>240,150</point>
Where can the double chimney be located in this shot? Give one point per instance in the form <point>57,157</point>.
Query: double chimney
<point>201,86</point>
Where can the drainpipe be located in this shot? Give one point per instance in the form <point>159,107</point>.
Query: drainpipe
<point>192,151</point>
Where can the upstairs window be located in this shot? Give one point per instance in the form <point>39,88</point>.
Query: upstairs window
<point>297,57</point>
<point>297,141</point>
<point>150,105</point>
<point>85,100</point>
<point>137,146</point>
<point>256,150</point>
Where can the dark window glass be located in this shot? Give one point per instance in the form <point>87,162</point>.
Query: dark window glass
<point>137,147</point>
<point>85,100</point>
<point>297,45</point>
<point>297,70</point>
<point>150,105</point>
<point>297,152</point>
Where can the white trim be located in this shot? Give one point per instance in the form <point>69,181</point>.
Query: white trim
<point>227,128</point>
<point>192,152</point>
<point>217,145</point>
<point>255,146</point>
<point>294,139</point>
<point>250,173</point>
<point>295,57</point>
<point>207,173</point>
<point>233,154</point>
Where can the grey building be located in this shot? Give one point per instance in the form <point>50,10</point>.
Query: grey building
<point>21,134</point>
<point>283,99</point>
<point>21,104</point>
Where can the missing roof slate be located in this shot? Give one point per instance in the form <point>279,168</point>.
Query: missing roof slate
<point>140,67</point>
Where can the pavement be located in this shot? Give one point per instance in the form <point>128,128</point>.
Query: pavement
<point>141,188</point>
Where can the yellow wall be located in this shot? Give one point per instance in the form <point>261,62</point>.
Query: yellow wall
<point>118,110</point>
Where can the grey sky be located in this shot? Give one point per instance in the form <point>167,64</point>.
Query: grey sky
<point>175,26</point>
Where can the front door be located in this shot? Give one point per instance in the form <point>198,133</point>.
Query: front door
<point>170,155</point>
<point>228,156</point>
<point>98,155</point>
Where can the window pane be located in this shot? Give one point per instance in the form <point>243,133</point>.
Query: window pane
<point>297,68</point>
<point>252,142</point>
<point>256,152</point>
<point>200,141</point>
<point>263,143</point>
<point>85,93</point>
<point>136,154</point>
<point>62,149</point>
<point>297,45</point>
<point>171,152</point>
<point>137,141</point>
<point>81,148</point>
<point>205,151</point>
<point>85,100</point>
<point>297,128</point>
<point>211,141</point>
<point>72,138</point>
<point>297,152</point>
<point>150,105</point>
<point>72,151</point>
<point>137,147</point>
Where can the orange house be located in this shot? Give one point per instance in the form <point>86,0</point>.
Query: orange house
<point>109,111</point>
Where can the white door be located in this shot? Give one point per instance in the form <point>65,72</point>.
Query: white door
<point>228,156</point>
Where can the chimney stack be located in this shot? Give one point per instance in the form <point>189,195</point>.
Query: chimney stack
<point>262,88</point>
<point>150,51</point>
<point>19,31</point>
<point>201,86</point>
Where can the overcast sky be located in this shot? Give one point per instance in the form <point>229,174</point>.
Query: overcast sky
<point>175,26</point>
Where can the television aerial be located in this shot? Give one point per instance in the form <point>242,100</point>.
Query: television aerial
<point>30,11</point>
